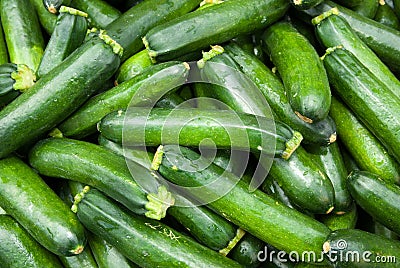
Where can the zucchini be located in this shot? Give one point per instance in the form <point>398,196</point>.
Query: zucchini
<point>332,30</point>
<point>84,259</point>
<point>396,5</point>
<point>192,31</point>
<point>61,91</point>
<point>159,78</point>
<point>146,242</point>
<point>22,32</point>
<point>232,199</point>
<point>381,230</point>
<point>322,132</point>
<point>18,249</point>
<point>104,170</point>
<point>370,100</point>
<point>356,248</point>
<point>273,189</point>
<point>227,129</point>
<point>305,4</point>
<point>68,34</point>
<point>367,8</point>
<point>52,6</point>
<point>386,16</point>
<point>133,66</point>
<point>378,198</point>
<point>331,162</point>
<point>301,70</point>
<point>247,250</point>
<point>7,98</point>
<point>138,20</point>
<point>367,151</point>
<point>335,222</point>
<point>3,47</point>
<point>15,77</point>
<point>105,254</point>
<point>100,13</point>
<point>26,197</point>
<point>382,39</point>
<point>47,20</point>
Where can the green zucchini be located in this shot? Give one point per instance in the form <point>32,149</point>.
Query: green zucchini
<point>18,249</point>
<point>105,254</point>
<point>68,34</point>
<point>15,77</point>
<point>276,260</point>
<point>335,222</point>
<point>367,151</point>
<point>226,129</point>
<point>247,250</point>
<point>377,197</point>
<point>333,31</point>
<point>386,15</point>
<point>136,91</point>
<point>192,31</point>
<point>26,197</point>
<point>146,242</point>
<point>370,100</point>
<point>382,39</point>
<point>104,170</point>
<point>322,132</point>
<point>7,98</point>
<point>367,8</point>
<point>3,47</point>
<point>245,42</point>
<point>47,20</point>
<point>380,229</point>
<point>61,91</point>
<point>301,70</point>
<point>84,259</point>
<point>396,5</point>
<point>356,248</point>
<point>305,4</point>
<point>133,66</point>
<point>52,6</point>
<point>100,13</point>
<point>22,32</point>
<point>331,162</point>
<point>232,199</point>
<point>273,189</point>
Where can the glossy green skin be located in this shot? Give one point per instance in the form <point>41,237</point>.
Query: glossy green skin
<point>161,78</point>
<point>381,230</point>
<point>301,70</point>
<point>367,151</point>
<point>382,39</point>
<point>56,95</point>
<point>335,222</point>
<point>334,31</point>
<point>367,8</point>
<point>239,130</point>
<point>100,13</point>
<point>19,249</point>
<point>196,30</point>
<point>171,100</point>
<point>246,251</point>
<point>272,89</point>
<point>370,100</point>
<point>3,47</point>
<point>22,32</point>
<point>99,168</point>
<point>272,188</point>
<point>146,242</point>
<point>105,254</point>
<point>28,199</point>
<point>46,19</point>
<point>247,210</point>
<point>6,82</point>
<point>7,98</point>
<point>359,242</point>
<point>386,15</point>
<point>68,34</point>
<point>304,183</point>
<point>132,25</point>
<point>377,197</point>
<point>305,4</point>
<point>331,162</point>
<point>84,259</point>
<point>133,66</point>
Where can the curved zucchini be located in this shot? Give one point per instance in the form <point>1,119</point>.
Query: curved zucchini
<point>15,77</point>
<point>247,210</point>
<point>160,78</point>
<point>386,16</point>
<point>377,197</point>
<point>332,30</point>
<point>305,4</point>
<point>102,169</point>
<point>22,32</point>
<point>68,34</point>
<point>366,149</point>
<point>370,100</point>
<point>100,13</point>
<point>27,198</point>
<point>322,132</point>
<point>18,249</point>
<point>301,70</point>
<point>146,242</point>
<point>192,31</point>
<point>226,129</point>
<point>133,66</point>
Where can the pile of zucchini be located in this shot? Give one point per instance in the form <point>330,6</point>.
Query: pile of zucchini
<point>189,133</point>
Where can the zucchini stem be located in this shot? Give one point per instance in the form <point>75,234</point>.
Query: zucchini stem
<point>159,203</point>
<point>24,78</point>
<point>73,11</point>
<point>239,234</point>
<point>214,51</point>
<point>116,48</point>
<point>319,18</point>
<point>157,159</point>
<point>292,145</point>
<point>78,198</point>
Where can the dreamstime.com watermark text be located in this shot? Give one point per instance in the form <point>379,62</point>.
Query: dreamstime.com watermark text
<point>340,255</point>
